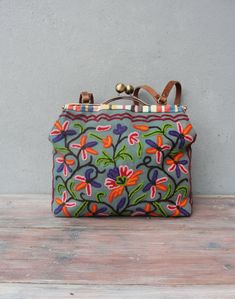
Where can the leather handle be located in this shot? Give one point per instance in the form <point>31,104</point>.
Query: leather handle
<point>168,89</point>
<point>162,99</point>
<point>149,90</point>
<point>135,100</point>
<point>86,98</point>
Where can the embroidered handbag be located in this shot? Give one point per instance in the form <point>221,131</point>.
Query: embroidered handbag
<point>129,160</point>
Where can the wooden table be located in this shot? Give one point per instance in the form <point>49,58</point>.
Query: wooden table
<point>47,257</point>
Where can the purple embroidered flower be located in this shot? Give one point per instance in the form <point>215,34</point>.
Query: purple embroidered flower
<point>182,134</point>
<point>155,184</point>
<point>94,211</point>
<point>157,148</point>
<point>120,129</point>
<point>86,182</point>
<point>85,147</point>
<point>65,164</point>
<point>177,165</point>
<point>61,131</point>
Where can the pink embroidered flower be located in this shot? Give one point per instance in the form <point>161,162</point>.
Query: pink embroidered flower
<point>65,165</point>
<point>178,207</point>
<point>85,147</point>
<point>61,131</point>
<point>157,148</point>
<point>94,211</point>
<point>182,134</point>
<point>177,165</point>
<point>155,184</point>
<point>103,128</point>
<point>63,205</point>
<point>133,138</point>
<point>120,177</point>
<point>86,182</point>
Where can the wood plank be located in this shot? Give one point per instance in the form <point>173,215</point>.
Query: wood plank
<point>161,257</point>
<point>37,248</point>
<point>52,291</point>
<point>33,211</point>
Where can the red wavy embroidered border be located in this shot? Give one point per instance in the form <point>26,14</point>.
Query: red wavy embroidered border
<point>120,116</point>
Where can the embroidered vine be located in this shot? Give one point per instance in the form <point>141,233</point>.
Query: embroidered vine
<point>97,173</point>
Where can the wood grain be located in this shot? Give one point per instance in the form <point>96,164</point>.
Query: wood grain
<point>55,291</point>
<point>43,252</point>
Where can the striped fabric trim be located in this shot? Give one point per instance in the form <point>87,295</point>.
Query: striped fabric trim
<point>134,108</point>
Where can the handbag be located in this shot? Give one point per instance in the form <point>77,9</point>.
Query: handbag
<point>114,159</point>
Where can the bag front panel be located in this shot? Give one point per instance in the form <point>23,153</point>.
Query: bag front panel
<point>116,162</point>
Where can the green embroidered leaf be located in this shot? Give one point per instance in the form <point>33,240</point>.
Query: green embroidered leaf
<point>105,159</point>
<point>95,136</point>
<point>62,150</point>
<point>59,188</point>
<point>139,198</point>
<point>152,133</point>
<point>183,189</point>
<point>106,155</point>
<point>99,196</point>
<point>168,191</point>
<point>81,208</point>
<point>124,156</point>
<point>71,188</point>
<point>122,150</point>
<point>77,125</point>
<point>166,127</point>
<point>160,208</point>
<point>139,149</point>
<point>135,190</point>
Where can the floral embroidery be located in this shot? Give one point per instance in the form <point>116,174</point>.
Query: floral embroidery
<point>182,134</point>
<point>131,168</point>
<point>85,147</point>
<point>155,184</point>
<point>107,141</point>
<point>94,211</point>
<point>157,148</point>
<point>65,165</point>
<point>147,211</point>
<point>103,128</point>
<point>86,182</point>
<point>120,129</point>
<point>120,177</point>
<point>61,131</point>
<point>141,127</point>
<point>177,165</point>
<point>133,138</point>
<point>178,208</point>
<point>63,205</point>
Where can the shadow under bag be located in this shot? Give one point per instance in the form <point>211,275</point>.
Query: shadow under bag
<point>123,160</point>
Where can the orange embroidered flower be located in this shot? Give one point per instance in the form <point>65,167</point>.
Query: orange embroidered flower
<point>63,205</point>
<point>141,127</point>
<point>61,130</point>
<point>86,182</point>
<point>157,148</point>
<point>64,165</point>
<point>178,207</point>
<point>94,211</point>
<point>155,184</point>
<point>85,147</point>
<point>119,178</point>
<point>107,141</point>
<point>177,165</point>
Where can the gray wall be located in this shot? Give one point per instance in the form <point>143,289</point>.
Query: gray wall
<point>51,50</point>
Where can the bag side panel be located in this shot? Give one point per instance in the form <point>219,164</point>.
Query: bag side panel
<point>122,164</point>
